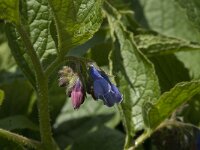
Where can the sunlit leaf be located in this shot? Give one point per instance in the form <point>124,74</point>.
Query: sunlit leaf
<point>155,113</point>
<point>76,21</point>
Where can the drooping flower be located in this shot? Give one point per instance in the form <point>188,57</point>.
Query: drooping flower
<point>77,94</point>
<point>103,88</point>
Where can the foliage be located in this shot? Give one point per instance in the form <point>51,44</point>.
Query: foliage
<point>150,49</point>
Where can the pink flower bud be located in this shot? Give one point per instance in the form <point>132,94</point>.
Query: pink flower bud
<point>77,94</point>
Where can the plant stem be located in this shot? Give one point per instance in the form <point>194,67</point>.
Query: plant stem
<point>42,91</point>
<point>141,139</point>
<point>21,140</point>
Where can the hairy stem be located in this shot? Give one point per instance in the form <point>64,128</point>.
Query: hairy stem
<point>21,140</point>
<point>42,91</point>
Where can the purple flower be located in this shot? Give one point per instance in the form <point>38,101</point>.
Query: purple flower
<point>77,94</point>
<point>103,88</point>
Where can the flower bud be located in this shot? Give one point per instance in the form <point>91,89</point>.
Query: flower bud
<point>77,94</point>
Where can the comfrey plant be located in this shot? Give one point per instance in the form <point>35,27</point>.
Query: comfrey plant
<point>97,82</point>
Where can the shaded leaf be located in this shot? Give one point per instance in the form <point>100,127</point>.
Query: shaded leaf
<point>74,124</point>
<point>18,54</point>
<point>17,94</point>
<point>170,71</point>
<point>104,138</point>
<point>76,21</point>
<point>155,113</point>
<point>68,113</point>
<point>6,144</point>
<point>17,122</point>
<point>1,97</point>
<point>191,112</point>
<point>9,10</point>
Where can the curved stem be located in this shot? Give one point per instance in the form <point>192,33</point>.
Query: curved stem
<point>42,91</point>
<point>58,61</point>
<point>20,139</point>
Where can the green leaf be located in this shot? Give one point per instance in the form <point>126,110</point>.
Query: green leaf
<point>9,10</point>
<point>74,124</point>
<point>135,75</point>
<point>37,17</point>
<point>1,97</point>
<point>155,113</point>
<point>153,43</point>
<point>104,138</point>
<point>76,21</point>
<point>192,8</point>
<point>166,17</point>
<point>17,122</point>
<point>68,113</point>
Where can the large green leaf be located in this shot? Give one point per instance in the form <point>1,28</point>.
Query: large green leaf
<point>193,11</point>
<point>74,124</point>
<point>166,17</point>
<point>68,113</point>
<point>155,113</point>
<point>76,21</point>
<point>169,18</point>
<point>1,97</point>
<point>135,75</point>
<point>9,10</point>
<point>37,17</point>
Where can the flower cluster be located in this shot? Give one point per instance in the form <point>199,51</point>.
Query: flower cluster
<point>100,84</point>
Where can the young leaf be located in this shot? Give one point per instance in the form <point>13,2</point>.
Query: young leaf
<point>1,97</point>
<point>9,10</point>
<point>155,113</point>
<point>153,43</point>
<point>135,75</point>
<point>76,21</point>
